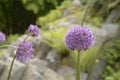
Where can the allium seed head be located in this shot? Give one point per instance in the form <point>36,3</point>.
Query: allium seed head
<point>79,38</point>
<point>2,37</point>
<point>33,30</point>
<point>24,51</point>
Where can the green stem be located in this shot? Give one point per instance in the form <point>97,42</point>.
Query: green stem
<point>8,46</point>
<point>11,68</point>
<point>13,58</point>
<point>26,38</point>
<point>85,13</point>
<point>78,56</point>
<point>78,66</point>
<point>9,74</point>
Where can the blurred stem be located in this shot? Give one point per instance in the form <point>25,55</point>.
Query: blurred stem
<point>26,37</point>
<point>9,74</point>
<point>78,54</point>
<point>85,13</point>
<point>78,66</point>
<point>11,67</point>
<point>8,46</point>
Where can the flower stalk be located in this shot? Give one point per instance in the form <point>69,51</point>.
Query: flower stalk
<point>25,49</point>
<point>9,74</point>
<point>13,59</point>
<point>11,66</point>
<point>78,66</point>
<point>78,54</point>
<point>85,13</point>
<point>8,46</point>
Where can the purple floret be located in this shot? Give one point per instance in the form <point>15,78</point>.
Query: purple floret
<point>33,30</point>
<point>79,38</point>
<point>2,37</point>
<point>24,51</point>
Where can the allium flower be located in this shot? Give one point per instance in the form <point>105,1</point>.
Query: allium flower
<point>2,37</point>
<point>33,30</point>
<point>24,51</point>
<point>79,38</point>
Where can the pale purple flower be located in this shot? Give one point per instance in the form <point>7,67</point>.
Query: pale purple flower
<point>79,38</point>
<point>24,51</point>
<point>2,37</point>
<point>33,30</point>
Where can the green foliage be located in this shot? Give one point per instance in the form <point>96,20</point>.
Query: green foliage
<point>13,14</point>
<point>104,8</point>
<point>13,17</point>
<point>41,7</point>
<point>88,58</point>
<point>84,1</point>
<point>65,4</point>
<point>113,75</point>
<point>95,21</point>
<point>112,52</point>
<point>1,53</point>
<point>113,4</point>
<point>53,14</point>
<point>10,39</point>
<point>55,39</point>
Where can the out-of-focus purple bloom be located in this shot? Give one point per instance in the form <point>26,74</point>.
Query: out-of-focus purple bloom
<point>24,51</point>
<point>79,38</point>
<point>2,37</point>
<point>33,30</point>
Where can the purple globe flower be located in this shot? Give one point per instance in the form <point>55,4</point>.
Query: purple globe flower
<point>79,38</point>
<point>33,30</point>
<point>2,37</point>
<point>24,51</point>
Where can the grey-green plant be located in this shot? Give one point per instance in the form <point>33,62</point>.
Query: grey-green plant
<point>55,38</point>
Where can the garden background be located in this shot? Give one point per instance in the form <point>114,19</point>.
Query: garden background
<point>52,60</point>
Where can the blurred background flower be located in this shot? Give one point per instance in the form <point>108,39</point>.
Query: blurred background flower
<point>34,30</point>
<point>2,37</point>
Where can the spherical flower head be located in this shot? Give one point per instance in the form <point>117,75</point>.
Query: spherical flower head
<point>24,52</point>
<point>2,37</point>
<point>79,38</point>
<point>33,30</point>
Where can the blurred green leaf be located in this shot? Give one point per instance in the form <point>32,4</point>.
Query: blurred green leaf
<point>55,38</point>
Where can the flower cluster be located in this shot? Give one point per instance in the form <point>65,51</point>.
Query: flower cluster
<point>33,30</point>
<point>24,51</point>
<point>79,38</point>
<point>2,37</point>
